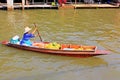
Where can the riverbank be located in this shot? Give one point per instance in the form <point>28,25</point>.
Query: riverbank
<point>65,6</point>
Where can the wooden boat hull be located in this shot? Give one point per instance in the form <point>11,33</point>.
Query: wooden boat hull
<point>75,53</point>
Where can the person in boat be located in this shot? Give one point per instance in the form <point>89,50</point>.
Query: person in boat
<point>27,36</point>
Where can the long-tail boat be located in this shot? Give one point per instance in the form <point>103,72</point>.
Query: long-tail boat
<point>64,49</point>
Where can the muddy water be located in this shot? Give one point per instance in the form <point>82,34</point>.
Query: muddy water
<point>100,27</point>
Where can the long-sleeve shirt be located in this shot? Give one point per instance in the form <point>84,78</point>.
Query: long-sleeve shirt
<point>26,39</point>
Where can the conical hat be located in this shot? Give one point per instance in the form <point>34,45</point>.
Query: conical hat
<point>27,29</point>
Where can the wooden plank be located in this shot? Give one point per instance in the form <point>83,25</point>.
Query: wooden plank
<point>95,6</point>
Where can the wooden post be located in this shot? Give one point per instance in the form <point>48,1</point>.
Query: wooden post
<point>23,3</point>
<point>27,2</point>
<point>75,3</point>
<point>32,1</point>
<point>10,5</point>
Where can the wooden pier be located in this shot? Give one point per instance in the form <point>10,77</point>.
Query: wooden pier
<point>87,6</point>
<point>65,6</point>
<point>20,6</point>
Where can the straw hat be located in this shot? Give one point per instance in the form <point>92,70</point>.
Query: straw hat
<point>27,29</point>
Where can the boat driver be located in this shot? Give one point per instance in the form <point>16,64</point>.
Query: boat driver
<point>27,36</point>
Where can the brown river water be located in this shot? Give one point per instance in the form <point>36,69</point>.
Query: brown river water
<point>99,27</point>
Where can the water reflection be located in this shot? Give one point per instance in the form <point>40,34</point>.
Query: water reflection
<point>17,21</point>
<point>28,63</point>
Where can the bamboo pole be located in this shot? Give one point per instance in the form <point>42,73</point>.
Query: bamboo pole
<point>10,5</point>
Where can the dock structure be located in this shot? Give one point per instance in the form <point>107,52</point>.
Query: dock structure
<point>10,5</point>
<point>87,6</point>
<point>25,4</point>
